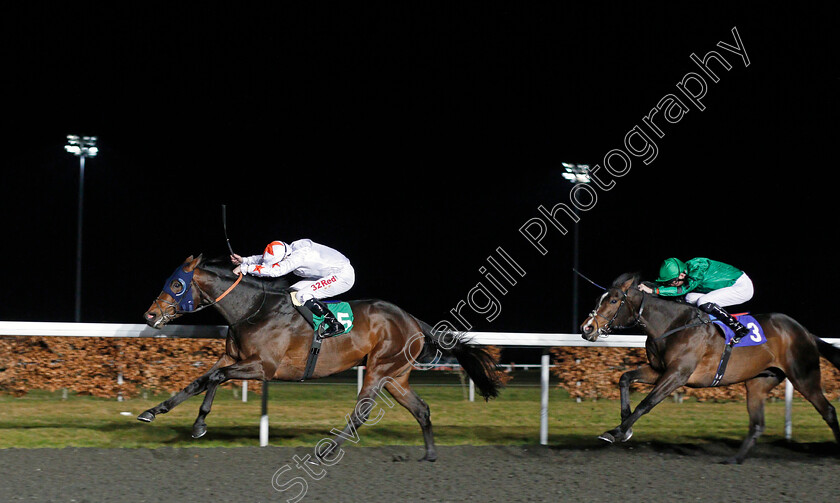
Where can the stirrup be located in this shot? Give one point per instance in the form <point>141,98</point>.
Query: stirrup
<point>740,332</point>
<point>335,327</point>
<point>330,326</point>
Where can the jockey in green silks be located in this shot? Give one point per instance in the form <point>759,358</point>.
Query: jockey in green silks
<point>708,284</point>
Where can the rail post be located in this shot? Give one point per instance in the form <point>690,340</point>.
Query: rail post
<point>544,362</point>
<point>264,416</point>
<point>788,409</point>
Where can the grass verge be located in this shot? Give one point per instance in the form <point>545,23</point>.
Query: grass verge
<point>303,414</point>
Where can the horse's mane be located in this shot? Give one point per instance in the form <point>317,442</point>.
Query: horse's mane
<point>636,280</point>
<point>619,281</point>
<point>222,267</point>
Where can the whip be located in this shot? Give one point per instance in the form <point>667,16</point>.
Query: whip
<point>224,225</point>
<point>587,279</point>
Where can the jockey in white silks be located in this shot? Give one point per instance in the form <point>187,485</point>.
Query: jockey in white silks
<point>325,273</point>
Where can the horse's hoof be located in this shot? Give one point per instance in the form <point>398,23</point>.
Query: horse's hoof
<point>627,435</point>
<point>607,437</point>
<point>199,430</point>
<point>731,461</point>
<point>146,417</point>
<point>431,458</point>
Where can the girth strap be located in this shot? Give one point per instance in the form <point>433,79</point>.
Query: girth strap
<point>724,359</point>
<point>727,350</point>
<point>317,338</point>
<point>312,359</point>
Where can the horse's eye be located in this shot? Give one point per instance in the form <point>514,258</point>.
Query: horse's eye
<point>613,301</point>
<point>175,286</point>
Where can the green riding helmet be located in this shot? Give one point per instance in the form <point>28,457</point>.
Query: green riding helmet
<point>671,269</point>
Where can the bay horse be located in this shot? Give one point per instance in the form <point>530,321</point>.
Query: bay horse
<point>684,349</point>
<point>269,339</point>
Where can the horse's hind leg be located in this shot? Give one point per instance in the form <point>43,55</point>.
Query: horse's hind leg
<point>194,388</point>
<point>406,397</point>
<point>806,379</point>
<point>757,390</point>
<point>364,404</point>
<point>250,368</point>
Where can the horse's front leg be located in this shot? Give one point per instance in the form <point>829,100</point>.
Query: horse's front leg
<point>644,374</point>
<point>194,388</point>
<point>249,368</point>
<point>667,383</point>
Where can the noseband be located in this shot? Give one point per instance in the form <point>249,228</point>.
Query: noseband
<point>608,327</point>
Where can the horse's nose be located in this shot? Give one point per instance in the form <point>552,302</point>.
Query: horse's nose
<point>149,317</point>
<point>587,330</point>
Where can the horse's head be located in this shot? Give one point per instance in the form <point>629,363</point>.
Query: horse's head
<point>619,307</point>
<point>177,297</point>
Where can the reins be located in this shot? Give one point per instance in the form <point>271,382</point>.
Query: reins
<point>637,321</point>
<point>224,294</point>
<point>214,302</point>
<point>248,318</point>
<point>177,311</point>
<point>679,329</point>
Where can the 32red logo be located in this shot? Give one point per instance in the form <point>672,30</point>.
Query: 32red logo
<point>323,283</point>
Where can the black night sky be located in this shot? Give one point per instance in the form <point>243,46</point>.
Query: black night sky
<point>417,140</point>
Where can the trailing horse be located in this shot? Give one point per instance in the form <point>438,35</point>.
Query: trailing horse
<point>269,339</point>
<point>684,348</point>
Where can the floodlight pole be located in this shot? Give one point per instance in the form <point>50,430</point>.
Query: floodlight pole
<point>576,173</point>
<point>78,316</point>
<point>576,266</point>
<point>82,147</point>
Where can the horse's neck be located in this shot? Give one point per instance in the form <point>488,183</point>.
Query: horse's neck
<point>244,301</point>
<point>661,315</point>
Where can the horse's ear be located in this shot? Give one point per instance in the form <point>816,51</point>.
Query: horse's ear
<point>629,283</point>
<point>192,263</point>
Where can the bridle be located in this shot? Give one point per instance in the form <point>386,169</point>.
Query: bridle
<point>608,327</point>
<point>182,303</point>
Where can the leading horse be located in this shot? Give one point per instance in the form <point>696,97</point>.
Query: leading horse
<point>684,349</point>
<point>268,339</point>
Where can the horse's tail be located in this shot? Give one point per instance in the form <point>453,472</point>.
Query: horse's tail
<point>478,362</point>
<point>828,351</point>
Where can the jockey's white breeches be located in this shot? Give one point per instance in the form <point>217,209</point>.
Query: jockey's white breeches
<point>328,286</point>
<point>740,292</point>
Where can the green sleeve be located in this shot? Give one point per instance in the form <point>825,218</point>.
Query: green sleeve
<point>696,272</point>
<point>671,291</point>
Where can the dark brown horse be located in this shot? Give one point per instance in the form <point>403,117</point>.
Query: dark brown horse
<point>269,339</point>
<point>691,349</point>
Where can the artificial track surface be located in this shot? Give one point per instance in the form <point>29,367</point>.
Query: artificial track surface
<point>590,472</point>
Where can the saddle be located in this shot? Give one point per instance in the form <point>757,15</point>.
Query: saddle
<point>755,338</point>
<point>342,312</point>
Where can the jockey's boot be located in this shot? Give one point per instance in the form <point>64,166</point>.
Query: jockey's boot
<point>330,326</point>
<point>736,326</point>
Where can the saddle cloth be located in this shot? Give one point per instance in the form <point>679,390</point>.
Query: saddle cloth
<point>756,336</point>
<point>342,311</point>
